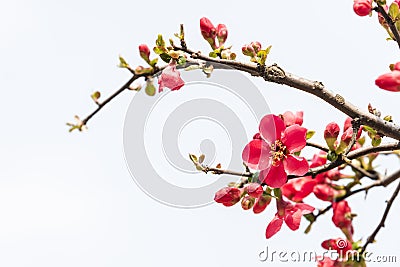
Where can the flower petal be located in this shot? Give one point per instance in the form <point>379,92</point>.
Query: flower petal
<point>271,128</point>
<point>292,220</point>
<point>294,138</point>
<point>256,154</point>
<point>295,165</point>
<point>275,176</point>
<point>273,227</point>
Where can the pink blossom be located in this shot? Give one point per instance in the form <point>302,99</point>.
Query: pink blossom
<point>274,155</point>
<point>144,52</point>
<point>222,34</point>
<point>299,188</point>
<point>389,81</point>
<point>261,204</point>
<point>290,214</point>
<point>343,218</point>
<point>254,189</point>
<point>291,118</point>
<point>170,78</point>
<point>208,31</point>
<point>228,196</point>
<point>362,7</point>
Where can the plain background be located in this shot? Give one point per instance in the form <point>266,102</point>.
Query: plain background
<point>69,200</point>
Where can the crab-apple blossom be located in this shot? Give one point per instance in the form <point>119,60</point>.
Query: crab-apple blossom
<point>343,218</point>
<point>273,154</point>
<point>261,203</point>
<point>222,34</point>
<point>362,7</point>
<point>389,81</point>
<point>331,134</point>
<point>254,189</point>
<point>144,52</point>
<point>170,78</point>
<point>339,244</point>
<point>228,196</point>
<point>290,214</point>
<point>299,188</point>
<point>291,118</point>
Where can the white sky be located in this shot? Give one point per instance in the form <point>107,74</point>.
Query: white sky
<point>69,200</point>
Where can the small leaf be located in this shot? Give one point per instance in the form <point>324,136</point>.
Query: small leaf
<point>181,60</point>
<point>201,158</point>
<point>95,96</point>
<point>218,166</point>
<point>193,67</point>
<point>165,57</point>
<point>123,63</point>
<point>153,62</point>
<point>310,134</point>
<point>388,118</point>
<point>193,158</point>
<point>213,54</point>
<point>376,141</point>
<point>393,10</point>
<point>160,41</point>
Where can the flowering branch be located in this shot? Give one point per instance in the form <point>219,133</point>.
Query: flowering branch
<point>380,9</point>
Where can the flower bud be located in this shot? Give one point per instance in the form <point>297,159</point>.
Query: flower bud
<point>222,34</point>
<point>254,190</point>
<point>256,46</point>
<point>248,50</point>
<point>362,7</point>
<point>247,202</point>
<point>330,134</point>
<point>208,31</point>
<point>261,204</point>
<point>345,140</point>
<point>389,81</point>
<point>144,52</point>
<point>228,196</point>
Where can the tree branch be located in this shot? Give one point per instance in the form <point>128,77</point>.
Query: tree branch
<point>390,23</point>
<point>381,224</point>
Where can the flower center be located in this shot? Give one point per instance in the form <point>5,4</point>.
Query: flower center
<point>278,151</point>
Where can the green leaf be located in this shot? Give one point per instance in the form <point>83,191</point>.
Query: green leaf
<point>95,96</point>
<point>193,158</point>
<point>201,158</point>
<point>310,134</point>
<point>331,156</point>
<point>165,57</point>
<point>213,54</point>
<point>153,62</point>
<point>150,89</point>
<point>123,63</point>
<point>376,141</point>
<point>181,60</point>
<point>393,10</point>
<point>160,41</point>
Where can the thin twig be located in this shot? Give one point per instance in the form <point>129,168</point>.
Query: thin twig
<point>381,224</point>
<point>390,22</point>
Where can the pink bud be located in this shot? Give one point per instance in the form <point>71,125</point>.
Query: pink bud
<point>144,52</point>
<point>256,46</point>
<point>330,134</point>
<point>254,190</point>
<point>261,203</point>
<point>362,7</point>
<point>222,34</point>
<point>248,50</point>
<point>389,81</point>
<point>208,31</point>
<point>228,196</point>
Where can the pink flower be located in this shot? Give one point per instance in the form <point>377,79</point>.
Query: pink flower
<point>208,31</point>
<point>325,192</point>
<point>261,204</point>
<point>343,218</point>
<point>290,214</point>
<point>328,262</point>
<point>170,78</point>
<point>291,118</point>
<point>330,134</point>
<point>362,7</point>
<point>273,154</point>
<point>254,190</point>
<point>389,81</point>
<point>339,244</point>
<point>222,34</point>
<point>228,196</point>
<point>299,188</point>
<point>144,52</point>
